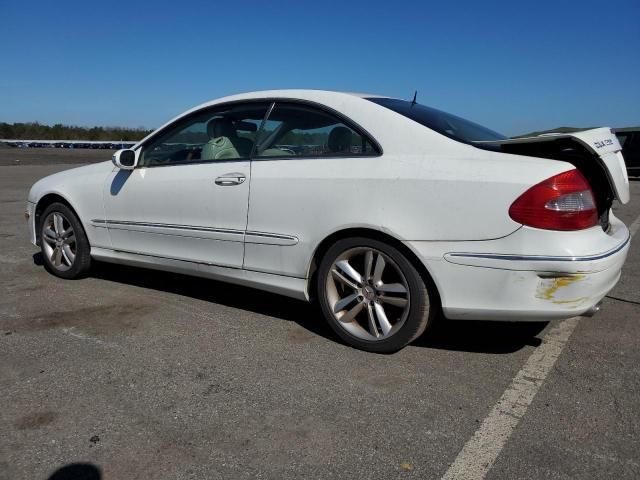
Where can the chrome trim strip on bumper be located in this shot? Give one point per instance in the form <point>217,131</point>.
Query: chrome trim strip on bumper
<point>261,237</point>
<point>541,258</point>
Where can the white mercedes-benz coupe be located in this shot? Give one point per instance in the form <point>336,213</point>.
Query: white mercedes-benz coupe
<point>386,211</point>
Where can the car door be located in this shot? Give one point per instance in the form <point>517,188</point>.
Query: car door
<point>187,198</point>
<point>312,170</point>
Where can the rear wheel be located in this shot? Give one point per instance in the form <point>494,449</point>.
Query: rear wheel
<point>64,244</point>
<point>372,296</point>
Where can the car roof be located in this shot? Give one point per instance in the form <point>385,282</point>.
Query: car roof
<point>354,105</point>
<point>313,95</point>
<point>296,93</point>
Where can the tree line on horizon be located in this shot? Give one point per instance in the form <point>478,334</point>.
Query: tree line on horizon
<point>38,131</point>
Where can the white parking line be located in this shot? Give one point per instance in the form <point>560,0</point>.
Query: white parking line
<point>478,455</point>
<point>481,451</point>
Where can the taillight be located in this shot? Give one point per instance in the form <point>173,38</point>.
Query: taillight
<point>562,202</point>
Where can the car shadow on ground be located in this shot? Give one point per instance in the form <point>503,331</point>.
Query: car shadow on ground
<point>460,335</point>
<point>221,293</point>
<point>481,336</point>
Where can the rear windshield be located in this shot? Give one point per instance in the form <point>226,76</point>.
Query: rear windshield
<point>442,122</point>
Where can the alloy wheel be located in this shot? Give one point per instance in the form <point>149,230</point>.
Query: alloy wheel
<point>59,241</point>
<point>368,294</point>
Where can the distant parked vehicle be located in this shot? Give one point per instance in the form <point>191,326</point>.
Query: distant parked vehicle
<point>629,139</point>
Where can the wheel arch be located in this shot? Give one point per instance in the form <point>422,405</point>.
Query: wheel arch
<point>373,234</point>
<point>47,200</point>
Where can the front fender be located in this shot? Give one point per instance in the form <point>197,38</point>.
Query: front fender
<point>80,188</point>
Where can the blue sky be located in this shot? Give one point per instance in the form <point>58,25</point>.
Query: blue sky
<point>511,67</point>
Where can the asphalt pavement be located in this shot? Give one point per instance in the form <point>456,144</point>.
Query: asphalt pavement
<point>142,374</point>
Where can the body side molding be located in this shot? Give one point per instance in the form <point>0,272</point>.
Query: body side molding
<point>250,236</point>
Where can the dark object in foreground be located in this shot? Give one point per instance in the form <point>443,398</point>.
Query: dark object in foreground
<point>77,471</point>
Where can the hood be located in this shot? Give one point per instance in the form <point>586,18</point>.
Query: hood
<point>60,182</point>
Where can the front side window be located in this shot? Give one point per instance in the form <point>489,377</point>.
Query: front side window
<point>296,130</point>
<point>222,133</point>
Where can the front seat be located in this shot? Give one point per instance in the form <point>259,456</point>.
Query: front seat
<point>340,140</point>
<point>224,142</point>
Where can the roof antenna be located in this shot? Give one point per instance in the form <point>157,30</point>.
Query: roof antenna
<point>415,95</point>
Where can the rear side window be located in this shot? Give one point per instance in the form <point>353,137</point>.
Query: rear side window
<point>442,122</point>
<point>296,130</point>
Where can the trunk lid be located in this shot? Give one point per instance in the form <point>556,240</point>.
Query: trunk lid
<point>596,152</point>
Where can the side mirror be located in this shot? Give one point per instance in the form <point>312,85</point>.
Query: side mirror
<point>125,159</point>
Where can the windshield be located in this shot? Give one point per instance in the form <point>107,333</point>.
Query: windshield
<point>442,122</point>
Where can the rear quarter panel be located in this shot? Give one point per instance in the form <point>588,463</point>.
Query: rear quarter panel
<point>428,197</point>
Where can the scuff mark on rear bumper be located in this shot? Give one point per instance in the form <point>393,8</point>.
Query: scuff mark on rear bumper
<point>548,287</point>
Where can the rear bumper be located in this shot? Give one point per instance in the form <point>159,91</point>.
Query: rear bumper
<point>559,278</point>
<point>513,295</point>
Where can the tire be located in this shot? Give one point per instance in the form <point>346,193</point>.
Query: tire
<point>371,305</point>
<point>65,247</point>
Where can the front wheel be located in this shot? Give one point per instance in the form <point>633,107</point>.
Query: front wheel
<point>64,244</point>
<point>372,296</point>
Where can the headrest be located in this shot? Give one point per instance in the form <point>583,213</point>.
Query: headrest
<point>221,127</point>
<point>340,139</point>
